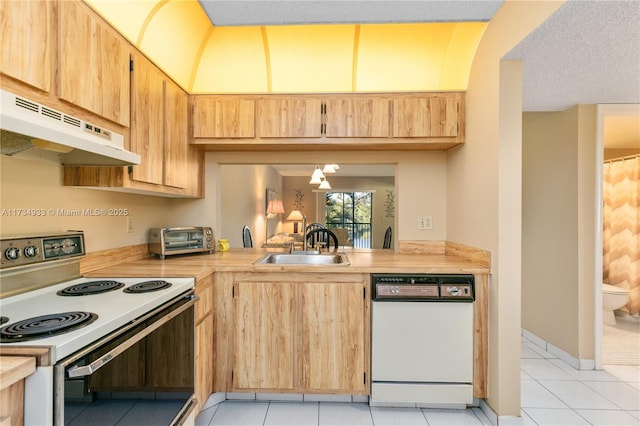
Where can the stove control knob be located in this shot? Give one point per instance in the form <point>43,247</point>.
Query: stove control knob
<point>12,253</point>
<point>30,251</point>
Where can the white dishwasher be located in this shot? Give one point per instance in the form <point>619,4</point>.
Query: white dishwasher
<point>422,340</point>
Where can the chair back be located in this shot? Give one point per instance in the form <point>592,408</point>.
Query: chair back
<point>314,225</point>
<point>387,239</point>
<point>322,236</point>
<point>247,242</point>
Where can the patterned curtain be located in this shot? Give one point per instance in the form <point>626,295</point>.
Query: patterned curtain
<point>621,239</point>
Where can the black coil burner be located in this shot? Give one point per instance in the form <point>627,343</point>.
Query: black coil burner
<point>45,326</point>
<point>91,287</point>
<point>147,286</point>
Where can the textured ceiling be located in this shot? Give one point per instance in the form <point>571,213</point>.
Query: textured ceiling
<point>278,12</point>
<point>588,52</point>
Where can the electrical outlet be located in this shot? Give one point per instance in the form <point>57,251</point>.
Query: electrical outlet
<point>425,222</point>
<point>129,224</point>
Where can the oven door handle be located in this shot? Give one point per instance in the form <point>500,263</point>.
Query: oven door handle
<point>87,370</point>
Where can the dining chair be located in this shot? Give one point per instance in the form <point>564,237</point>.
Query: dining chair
<point>387,239</point>
<point>319,237</point>
<point>247,242</point>
<point>314,225</point>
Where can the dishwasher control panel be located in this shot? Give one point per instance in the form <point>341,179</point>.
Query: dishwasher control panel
<point>423,287</point>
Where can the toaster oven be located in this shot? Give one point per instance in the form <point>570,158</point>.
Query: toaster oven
<point>168,241</point>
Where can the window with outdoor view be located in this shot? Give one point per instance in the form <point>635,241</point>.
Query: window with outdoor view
<point>351,211</point>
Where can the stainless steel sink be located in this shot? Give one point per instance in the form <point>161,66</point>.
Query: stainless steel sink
<point>335,259</point>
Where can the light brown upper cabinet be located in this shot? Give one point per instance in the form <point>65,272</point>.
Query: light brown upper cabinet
<point>223,117</point>
<point>356,117</point>
<point>27,41</point>
<point>427,116</point>
<point>159,129</point>
<point>147,121</point>
<point>176,135</point>
<point>93,63</point>
<point>290,117</point>
<point>427,121</point>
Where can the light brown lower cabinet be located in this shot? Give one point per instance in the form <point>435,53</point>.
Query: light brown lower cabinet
<point>204,341</point>
<point>298,333</point>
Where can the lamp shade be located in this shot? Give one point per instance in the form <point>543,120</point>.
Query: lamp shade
<point>317,173</point>
<point>275,207</point>
<point>325,184</point>
<point>328,168</point>
<point>295,215</point>
<point>315,180</point>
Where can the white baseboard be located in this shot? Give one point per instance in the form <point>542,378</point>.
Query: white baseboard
<point>577,363</point>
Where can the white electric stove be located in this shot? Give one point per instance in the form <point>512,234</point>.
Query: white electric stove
<point>114,308</point>
<point>86,323</point>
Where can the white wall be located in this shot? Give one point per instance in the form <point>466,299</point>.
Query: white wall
<point>30,184</point>
<point>484,187</point>
<point>243,194</point>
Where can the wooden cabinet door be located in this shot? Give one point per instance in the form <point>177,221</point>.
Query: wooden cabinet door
<point>176,138</point>
<point>222,117</point>
<point>289,117</point>
<point>147,121</point>
<point>333,333</point>
<point>204,340</point>
<point>428,116</point>
<point>93,63</point>
<point>264,355</point>
<point>204,360</point>
<point>357,117</point>
<point>27,41</point>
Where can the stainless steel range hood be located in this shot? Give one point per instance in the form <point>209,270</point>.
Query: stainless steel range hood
<point>27,125</point>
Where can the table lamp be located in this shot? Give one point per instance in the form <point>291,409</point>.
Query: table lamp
<point>296,216</point>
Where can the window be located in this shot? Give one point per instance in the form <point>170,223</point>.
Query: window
<point>351,211</point>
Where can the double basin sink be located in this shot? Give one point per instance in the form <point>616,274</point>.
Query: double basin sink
<point>304,258</point>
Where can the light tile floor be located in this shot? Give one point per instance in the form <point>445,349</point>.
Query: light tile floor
<point>553,393</point>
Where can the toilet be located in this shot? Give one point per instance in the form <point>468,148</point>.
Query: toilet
<point>612,298</point>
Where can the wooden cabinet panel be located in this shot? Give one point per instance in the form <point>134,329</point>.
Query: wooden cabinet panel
<point>93,63</point>
<point>333,333</point>
<point>428,116</point>
<point>204,340</point>
<point>290,117</point>
<point>27,41</point>
<point>357,117</point>
<point>146,121</point>
<point>215,117</point>
<point>295,333</point>
<point>204,360</point>
<point>204,291</point>
<point>176,142</point>
<point>159,134</point>
<point>264,345</point>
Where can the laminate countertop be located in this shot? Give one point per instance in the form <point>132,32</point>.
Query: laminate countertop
<point>15,368</point>
<point>242,260</point>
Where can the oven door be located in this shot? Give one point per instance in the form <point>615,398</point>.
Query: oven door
<point>142,373</point>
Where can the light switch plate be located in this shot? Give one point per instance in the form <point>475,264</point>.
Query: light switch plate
<point>425,222</point>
